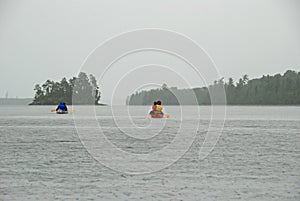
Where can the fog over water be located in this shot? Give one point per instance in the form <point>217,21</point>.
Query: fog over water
<point>51,39</point>
<point>118,152</point>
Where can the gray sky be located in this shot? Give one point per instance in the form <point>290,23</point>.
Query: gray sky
<point>42,40</point>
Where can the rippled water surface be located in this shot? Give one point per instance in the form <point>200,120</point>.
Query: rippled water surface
<point>257,157</point>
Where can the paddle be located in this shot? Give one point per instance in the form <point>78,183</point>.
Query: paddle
<point>68,111</point>
<point>167,115</point>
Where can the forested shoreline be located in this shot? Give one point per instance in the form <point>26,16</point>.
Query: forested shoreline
<point>69,91</point>
<point>267,90</point>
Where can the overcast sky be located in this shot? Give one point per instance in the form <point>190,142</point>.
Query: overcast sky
<point>42,40</point>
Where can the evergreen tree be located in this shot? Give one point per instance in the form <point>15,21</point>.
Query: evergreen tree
<point>267,90</point>
<point>82,89</point>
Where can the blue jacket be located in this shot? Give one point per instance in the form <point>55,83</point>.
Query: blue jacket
<point>62,106</point>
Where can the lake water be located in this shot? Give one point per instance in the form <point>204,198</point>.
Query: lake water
<point>45,156</point>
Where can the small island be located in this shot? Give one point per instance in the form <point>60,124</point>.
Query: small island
<point>68,91</point>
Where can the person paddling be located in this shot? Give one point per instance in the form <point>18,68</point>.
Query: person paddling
<point>158,108</point>
<point>62,106</point>
<point>157,111</point>
<point>153,108</point>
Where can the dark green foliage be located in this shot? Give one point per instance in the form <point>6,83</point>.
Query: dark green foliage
<point>148,97</point>
<point>82,89</point>
<point>268,90</point>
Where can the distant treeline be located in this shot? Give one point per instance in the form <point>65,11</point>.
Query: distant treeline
<point>267,90</point>
<point>15,101</point>
<point>82,90</point>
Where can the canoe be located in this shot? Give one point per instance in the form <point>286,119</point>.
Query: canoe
<point>61,112</point>
<point>158,115</point>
